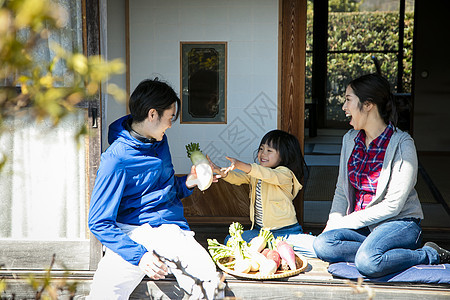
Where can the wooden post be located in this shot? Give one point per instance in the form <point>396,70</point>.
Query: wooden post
<point>292,60</point>
<point>92,47</point>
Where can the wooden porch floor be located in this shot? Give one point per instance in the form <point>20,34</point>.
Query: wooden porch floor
<point>314,283</point>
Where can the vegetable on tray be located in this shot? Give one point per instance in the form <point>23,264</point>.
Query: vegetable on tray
<point>202,167</point>
<point>254,257</point>
<point>286,252</point>
<point>260,242</point>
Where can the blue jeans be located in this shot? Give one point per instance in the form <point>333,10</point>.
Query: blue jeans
<point>391,247</point>
<point>301,242</point>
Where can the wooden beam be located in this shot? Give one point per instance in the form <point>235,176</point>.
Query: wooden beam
<point>293,58</point>
<point>92,43</point>
<point>292,34</point>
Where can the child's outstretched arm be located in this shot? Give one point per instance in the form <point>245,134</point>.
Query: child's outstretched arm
<point>237,164</point>
<point>220,172</point>
<point>236,178</point>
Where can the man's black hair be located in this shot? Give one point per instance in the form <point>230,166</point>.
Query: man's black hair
<point>152,94</point>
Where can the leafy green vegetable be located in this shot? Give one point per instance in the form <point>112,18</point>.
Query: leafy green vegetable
<point>202,168</point>
<point>245,258</point>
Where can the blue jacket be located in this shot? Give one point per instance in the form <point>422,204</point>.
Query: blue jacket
<point>135,184</point>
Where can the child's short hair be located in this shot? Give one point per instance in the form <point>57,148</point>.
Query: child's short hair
<point>288,148</point>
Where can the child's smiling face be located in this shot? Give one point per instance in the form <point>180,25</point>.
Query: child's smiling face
<point>268,156</point>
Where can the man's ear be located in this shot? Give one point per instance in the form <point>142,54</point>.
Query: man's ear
<point>152,114</point>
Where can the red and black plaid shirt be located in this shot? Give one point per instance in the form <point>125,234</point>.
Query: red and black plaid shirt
<point>364,165</point>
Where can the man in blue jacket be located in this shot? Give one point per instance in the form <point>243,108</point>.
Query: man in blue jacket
<point>135,206</point>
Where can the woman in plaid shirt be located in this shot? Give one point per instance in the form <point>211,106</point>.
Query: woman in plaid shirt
<point>375,216</point>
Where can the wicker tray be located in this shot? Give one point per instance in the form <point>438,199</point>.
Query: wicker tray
<point>300,260</point>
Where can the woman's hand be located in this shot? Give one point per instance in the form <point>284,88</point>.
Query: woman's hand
<point>152,266</point>
<point>327,228</point>
<point>335,223</point>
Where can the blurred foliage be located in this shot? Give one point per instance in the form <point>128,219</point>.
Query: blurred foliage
<point>363,31</point>
<point>344,5</point>
<point>360,31</point>
<point>41,90</point>
<point>46,286</point>
<point>2,285</point>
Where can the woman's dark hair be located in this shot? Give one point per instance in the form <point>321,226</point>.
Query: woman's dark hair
<point>152,94</point>
<point>376,89</point>
<point>288,148</point>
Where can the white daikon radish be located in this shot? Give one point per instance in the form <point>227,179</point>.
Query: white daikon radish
<point>243,265</point>
<point>268,268</point>
<point>254,264</point>
<point>259,242</point>
<point>202,167</point>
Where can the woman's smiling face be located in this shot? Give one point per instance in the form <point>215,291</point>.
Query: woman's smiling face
<point>353,109</point>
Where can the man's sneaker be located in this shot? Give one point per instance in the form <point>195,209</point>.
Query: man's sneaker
<point>444,255</point>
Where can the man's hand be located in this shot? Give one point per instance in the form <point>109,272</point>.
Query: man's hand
<point>191,180</point>
<point>152,266</point>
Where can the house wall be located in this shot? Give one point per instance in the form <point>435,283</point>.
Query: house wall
<point>250,29</point>
<point>112,15</point>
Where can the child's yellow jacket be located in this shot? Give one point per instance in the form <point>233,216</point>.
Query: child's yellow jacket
<point>279,187</point>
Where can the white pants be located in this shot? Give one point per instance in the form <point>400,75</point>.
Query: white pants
<point>116,278</point>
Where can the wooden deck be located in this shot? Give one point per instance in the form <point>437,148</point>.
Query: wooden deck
<point>314,283</point>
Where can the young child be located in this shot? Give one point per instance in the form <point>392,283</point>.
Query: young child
<point>273,185</point>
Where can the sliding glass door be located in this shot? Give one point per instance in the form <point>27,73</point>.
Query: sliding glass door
<point>45,183</point>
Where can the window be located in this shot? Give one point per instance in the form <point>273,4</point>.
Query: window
<point>360,37</point>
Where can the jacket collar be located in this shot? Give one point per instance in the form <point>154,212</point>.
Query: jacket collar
<point>136,135</point>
